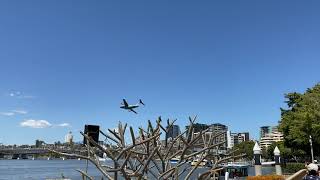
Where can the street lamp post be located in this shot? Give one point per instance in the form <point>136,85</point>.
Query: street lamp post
<point>310,140</point>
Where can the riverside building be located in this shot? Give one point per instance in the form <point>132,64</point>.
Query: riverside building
<point>68,138</point>
<point>173,131</point>
<point>236,138</point>
<point>269,135</point>
<point>213,130</point>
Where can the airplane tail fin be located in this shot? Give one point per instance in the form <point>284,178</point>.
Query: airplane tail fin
<point>140,101</point>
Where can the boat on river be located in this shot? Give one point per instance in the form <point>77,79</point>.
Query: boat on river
<point>204,162</point>
<point>174,160</point>
<point>234,171</point>
<point>104,158</point>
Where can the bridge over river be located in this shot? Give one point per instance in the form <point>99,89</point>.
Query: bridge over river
<point>23,153</point>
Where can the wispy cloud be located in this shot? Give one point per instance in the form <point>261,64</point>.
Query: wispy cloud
<point>31,123</point>
<point>64,125</point>
<point>26,97</point>
<point>14,93</point>
<point>20,95</point>
<point>20,111</point>
<point>7,113</point>
<point>14,112</point>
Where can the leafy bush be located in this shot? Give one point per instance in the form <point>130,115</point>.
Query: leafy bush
<point>268,177</point>
<point>291,168</point>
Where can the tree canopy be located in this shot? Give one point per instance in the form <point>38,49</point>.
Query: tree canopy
<point>284,151</point>
<point>301,119</point>
<point>245,147</point>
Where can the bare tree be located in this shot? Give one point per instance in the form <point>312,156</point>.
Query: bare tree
<point>149,157</point>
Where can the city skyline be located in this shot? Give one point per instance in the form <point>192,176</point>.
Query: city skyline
<point>64,65</point>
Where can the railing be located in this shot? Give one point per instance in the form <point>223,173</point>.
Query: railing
<point>298,175</point>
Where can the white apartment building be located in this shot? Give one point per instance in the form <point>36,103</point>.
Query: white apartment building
<point>236,138</point>
<point>269,138</point>
<point>68,138</point>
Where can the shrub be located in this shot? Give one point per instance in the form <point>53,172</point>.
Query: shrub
<point>291,168</point>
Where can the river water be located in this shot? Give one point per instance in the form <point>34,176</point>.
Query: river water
<point>53,169</point>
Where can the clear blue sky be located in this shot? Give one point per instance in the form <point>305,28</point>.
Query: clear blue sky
<point>69,63</point>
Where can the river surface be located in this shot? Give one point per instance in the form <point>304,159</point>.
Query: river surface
<point>51,169</point>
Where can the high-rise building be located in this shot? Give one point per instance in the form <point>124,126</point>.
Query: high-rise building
<point>173,131</point>
<point>272,136</point>
<point>217,127</point>
<point>213,129</point>
<point>236,138</point>
<point>69,138</point>
<point>197,127</point>
<point>265,130</point>
<point>244,136</point>
<point>230,139</point>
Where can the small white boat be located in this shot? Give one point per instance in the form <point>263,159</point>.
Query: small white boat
<point>104,158</point>
<point>202,163</point>
<point>174,160</point>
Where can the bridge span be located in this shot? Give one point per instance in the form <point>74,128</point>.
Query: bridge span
<point>23,153</point>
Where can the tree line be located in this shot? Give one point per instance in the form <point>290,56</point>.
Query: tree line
<point>299,120</point>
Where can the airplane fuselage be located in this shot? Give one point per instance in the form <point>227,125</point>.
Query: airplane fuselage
<point>129,107</point>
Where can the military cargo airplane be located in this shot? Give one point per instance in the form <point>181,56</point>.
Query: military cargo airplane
<point>131,108</point>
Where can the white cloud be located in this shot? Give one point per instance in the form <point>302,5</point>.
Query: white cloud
<point>41,124</point>
<point>26,97</point>
<point>15,93</point>
<point>20,111</point>
<point>13,112</point>
<point>35,123</point>
<point>6,113</point>
<point>20,95</point>
<point>64,125</point>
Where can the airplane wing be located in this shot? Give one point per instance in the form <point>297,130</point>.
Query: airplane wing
<point>133,111</point>
<point>125,103</point>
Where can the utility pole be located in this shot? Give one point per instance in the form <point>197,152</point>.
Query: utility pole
<point>310,140</point>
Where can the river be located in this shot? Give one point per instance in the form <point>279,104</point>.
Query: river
<point>51,169</point>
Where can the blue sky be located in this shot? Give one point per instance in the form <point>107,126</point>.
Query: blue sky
<point>69,63</point>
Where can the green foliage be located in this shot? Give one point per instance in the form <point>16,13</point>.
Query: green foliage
<point>291,168</point>
<point>245,147</point>
<point>264,153</point>
<point>284,151</point>
<point>302,119</point>
<point>39,143</point>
